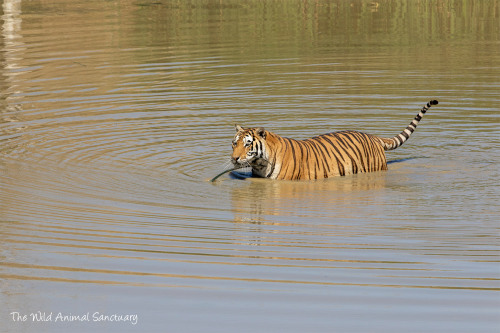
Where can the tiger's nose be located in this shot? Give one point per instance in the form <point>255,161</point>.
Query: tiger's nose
<point>235,160</point>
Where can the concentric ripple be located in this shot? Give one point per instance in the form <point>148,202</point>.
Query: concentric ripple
<point>120,170</point>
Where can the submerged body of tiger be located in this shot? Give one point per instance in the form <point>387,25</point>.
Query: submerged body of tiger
<point>328,155</point>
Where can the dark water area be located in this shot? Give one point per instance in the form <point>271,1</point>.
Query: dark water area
<point>114,116</point>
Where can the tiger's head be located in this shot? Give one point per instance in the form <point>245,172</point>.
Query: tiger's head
<point>249,148</point>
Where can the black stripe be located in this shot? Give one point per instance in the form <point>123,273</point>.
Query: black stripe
<point>375,151</point>
<point>271,171</point>
<point>361,137</point>
<point>322,148</point>
<point>293,156</point>
<point>353,148</point>
<point>312,164</point>
<point>259,148</point>
<point>334,146</point>
<point>345,148</point>
<point>341,168</point>
<point>369,151</point>
<point>302,161</point>
<point>283,162</point>
<point>341,162</point>
<point>304,166</point>
<point>317,167</point>
<point>351,137</point>
<point>354,168</point>
<point>379,155</point>
<point>310,147</point>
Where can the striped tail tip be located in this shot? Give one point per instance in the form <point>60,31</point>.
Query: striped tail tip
<point>398,140</point>
<point>431,103</point>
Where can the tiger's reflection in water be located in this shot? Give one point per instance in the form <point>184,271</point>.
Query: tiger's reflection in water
<point>260,201</point>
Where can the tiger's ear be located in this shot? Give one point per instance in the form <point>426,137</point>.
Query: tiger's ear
<point>238,128</point>
<point>261,132</point>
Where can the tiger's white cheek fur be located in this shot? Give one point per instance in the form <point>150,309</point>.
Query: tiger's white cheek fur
<point>247,140</point>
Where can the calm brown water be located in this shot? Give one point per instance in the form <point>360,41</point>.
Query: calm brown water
<point>115,114</point>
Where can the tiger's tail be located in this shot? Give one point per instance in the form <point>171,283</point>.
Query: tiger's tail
<point>398,140</point>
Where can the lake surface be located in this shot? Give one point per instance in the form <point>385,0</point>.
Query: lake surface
<point>115,114</point>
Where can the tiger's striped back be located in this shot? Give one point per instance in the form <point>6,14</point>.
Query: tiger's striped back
<point>327,155</point>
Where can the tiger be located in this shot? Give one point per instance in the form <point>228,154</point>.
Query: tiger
<point>324,156</point>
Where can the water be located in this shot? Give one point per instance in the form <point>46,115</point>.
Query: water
<point>114,115</point>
